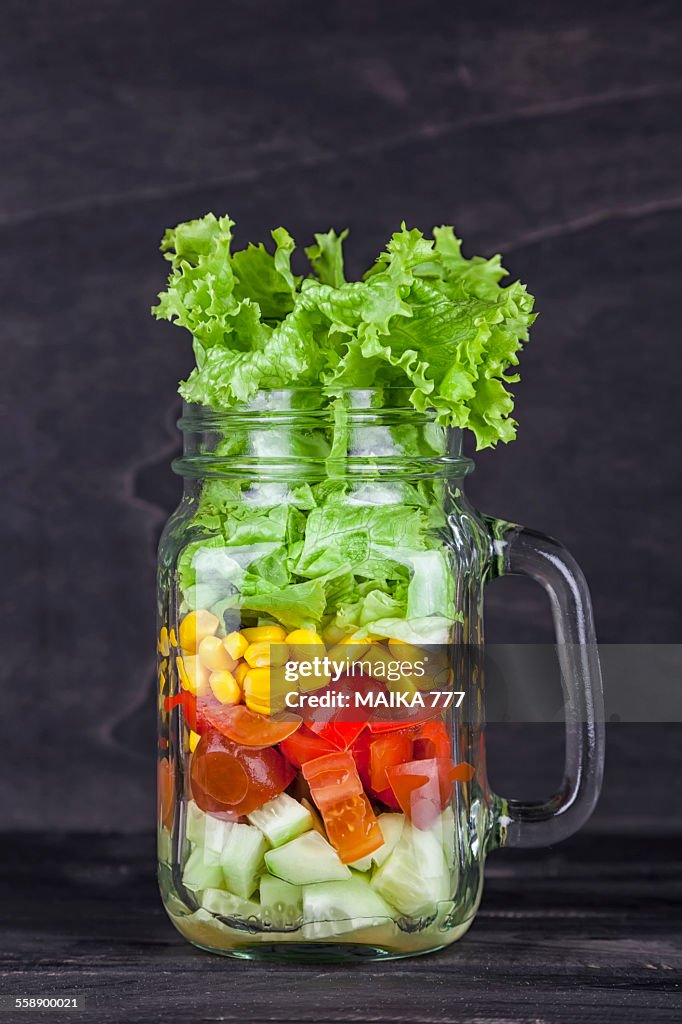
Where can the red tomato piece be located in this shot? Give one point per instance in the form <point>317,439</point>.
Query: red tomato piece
<point>351,824</point>
<point>424,788</point>
<point>431,740</point>
<point>248,728</point>
<point>237,778</point>
<point>385,751</point>
<point>341,735</point>
<point>361,755</point>
<point>165,791</point>
<point>305,745</point>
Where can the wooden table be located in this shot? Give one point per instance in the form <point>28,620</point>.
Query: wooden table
<point>589,931</point>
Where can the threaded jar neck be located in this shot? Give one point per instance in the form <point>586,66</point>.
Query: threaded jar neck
<point>306,434</point>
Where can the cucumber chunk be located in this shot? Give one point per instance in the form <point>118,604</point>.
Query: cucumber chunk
<point>281,902</point>
<point>242,858</point>
<point>204,829</point>
<point>332,908</point>
<point>415,877</point>
<point>226,904</point>
<point>391,826</point>
<point>309,858</point>
<point>203,870</point>
<point>281,819</point>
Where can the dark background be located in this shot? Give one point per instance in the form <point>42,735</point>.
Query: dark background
<point>547,131</point>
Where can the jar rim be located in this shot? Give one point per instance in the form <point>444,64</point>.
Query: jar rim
<point>311,400</point>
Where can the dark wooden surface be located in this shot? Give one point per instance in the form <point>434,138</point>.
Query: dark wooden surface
<point>590,931</point>
<point>551,131</point>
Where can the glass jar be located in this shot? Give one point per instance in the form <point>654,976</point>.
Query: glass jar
<point>322,776</point>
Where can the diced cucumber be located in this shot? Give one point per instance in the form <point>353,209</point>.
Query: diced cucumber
<point>194,823</point>
<point>226,904</point>
<point>309,858</point>
<point>203,870</point>
<point>446,825</point>
<point>332,908</point>
<point>415,876</point>
<point>391,826</point>
<point>364,864</point>
<point>242,858</point>
<point>281,902</point>
<point>281,819</point>
<point>204,829</point>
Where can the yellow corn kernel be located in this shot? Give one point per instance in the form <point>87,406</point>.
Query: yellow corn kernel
<point>273,634</point>
<point>163,646</point>
<point>405,651</point>
<point>193,740</point>
<point>172,638</point>
<point>263,653</point>
<point>213,655</point>
<point>162,680</point>
<point>300,642</point>
<point>349,648</point>
<point>194,627</point>
<point>240,672</point>
<point>257,690</point>
<point>235,644</point>
<point>225,687</point>
<point>193,675</point>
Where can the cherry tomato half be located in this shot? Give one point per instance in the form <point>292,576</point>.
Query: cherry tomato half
<point>237,778</point>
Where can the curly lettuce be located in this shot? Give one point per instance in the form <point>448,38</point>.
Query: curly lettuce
<point>424,317</point>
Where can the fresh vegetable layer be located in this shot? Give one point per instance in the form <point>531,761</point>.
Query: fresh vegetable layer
<point>335,860</point>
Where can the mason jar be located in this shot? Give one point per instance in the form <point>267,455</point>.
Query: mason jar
<point>322,777</point>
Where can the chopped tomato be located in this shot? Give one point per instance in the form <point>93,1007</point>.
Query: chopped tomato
<point>230,777</point>
<point>351,824</point>
<point>384,751</point>
<point>193,709</point>
<point>248,728</point>
<point>424,788</point>
<point>361,755</point>
<point>340,734</point>
<point>431,740</point>
<point>305,745</point>
<point>165,785</point>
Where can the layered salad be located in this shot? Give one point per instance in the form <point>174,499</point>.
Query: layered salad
<point>315,784</point>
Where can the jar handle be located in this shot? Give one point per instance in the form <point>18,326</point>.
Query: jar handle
<point>523,552</point>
